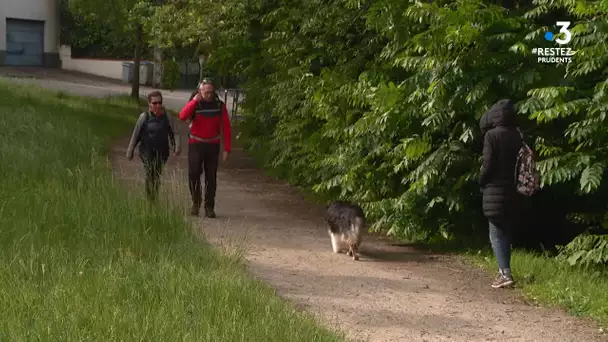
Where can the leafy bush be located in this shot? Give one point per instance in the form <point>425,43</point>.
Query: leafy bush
<point>586,250</point>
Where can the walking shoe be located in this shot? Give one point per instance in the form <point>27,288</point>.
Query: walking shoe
<point>209,213</point>
<point>194,210</point>
<point>502,281</point>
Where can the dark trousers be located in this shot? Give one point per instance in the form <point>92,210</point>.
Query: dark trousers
<point>154,162</point>
<point>203,157</point>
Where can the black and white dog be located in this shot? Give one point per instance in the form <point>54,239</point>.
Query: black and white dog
<point>346,226</point>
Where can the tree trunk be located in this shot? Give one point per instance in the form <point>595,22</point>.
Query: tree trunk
<point>158,67</point>
<point>136,62</point>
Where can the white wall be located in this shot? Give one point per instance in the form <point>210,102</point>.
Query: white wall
<point>45,10</point>
<point>110,68</point>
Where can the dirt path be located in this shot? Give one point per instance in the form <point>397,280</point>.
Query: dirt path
<point>393,294</point>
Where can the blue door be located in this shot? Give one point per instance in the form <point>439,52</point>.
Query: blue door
<point>24,42</point>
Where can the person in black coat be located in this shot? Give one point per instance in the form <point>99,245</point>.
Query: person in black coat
<point>501,143</point>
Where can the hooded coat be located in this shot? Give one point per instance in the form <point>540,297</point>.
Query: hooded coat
<point>501,144</point>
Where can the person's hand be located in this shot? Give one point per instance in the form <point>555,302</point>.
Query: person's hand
<point>198,96</point>
<point>224,156</point>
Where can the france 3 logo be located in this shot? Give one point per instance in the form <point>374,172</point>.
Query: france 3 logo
<point>560,54</point>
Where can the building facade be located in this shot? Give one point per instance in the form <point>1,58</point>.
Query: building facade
<point>29,33</point>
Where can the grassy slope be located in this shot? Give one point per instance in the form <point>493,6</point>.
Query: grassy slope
<point>83,259</point>
<point>542,278</point>
<point>545,280</point>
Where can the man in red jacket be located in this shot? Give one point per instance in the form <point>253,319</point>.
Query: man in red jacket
<point>210,123</point>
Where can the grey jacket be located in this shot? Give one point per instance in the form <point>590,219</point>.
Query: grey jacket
<point>174,143</point>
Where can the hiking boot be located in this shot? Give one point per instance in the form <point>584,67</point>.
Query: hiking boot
<point>209,212</point>
<point>503,280</point>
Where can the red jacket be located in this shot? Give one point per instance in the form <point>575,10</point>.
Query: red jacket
<point>208,127</point>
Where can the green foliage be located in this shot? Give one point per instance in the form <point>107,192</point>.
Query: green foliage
<point>125,18</point>
<point>586,250</point>
<point>122,16</point>
<point>91,38</point>
<point>378,101</point>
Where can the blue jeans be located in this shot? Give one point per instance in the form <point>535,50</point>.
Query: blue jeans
<point>501,245</point>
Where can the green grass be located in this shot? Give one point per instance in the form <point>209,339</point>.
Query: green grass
<point>581,292</point>
<point>540,277</point>
<point>83,259</point>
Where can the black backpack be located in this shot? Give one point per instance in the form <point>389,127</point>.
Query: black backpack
<point>216,97</point>
<point>144,127</point>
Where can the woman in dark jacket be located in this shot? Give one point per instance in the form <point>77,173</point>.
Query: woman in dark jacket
<point>501,144</point>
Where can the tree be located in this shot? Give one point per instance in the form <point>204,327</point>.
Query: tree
<point>192,28</point>
<point>126,17</point>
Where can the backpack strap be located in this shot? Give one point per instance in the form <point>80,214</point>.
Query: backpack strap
<point>142,128</point>
<point>143,124</point>
<point>171,132</point>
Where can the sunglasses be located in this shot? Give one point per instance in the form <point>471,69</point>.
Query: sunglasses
<point>156,102</point>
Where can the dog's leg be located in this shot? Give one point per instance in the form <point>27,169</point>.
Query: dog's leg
<point>335,242</point>
<point>346,240</point>
<point>358,229</point>
<point>353,251</point>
